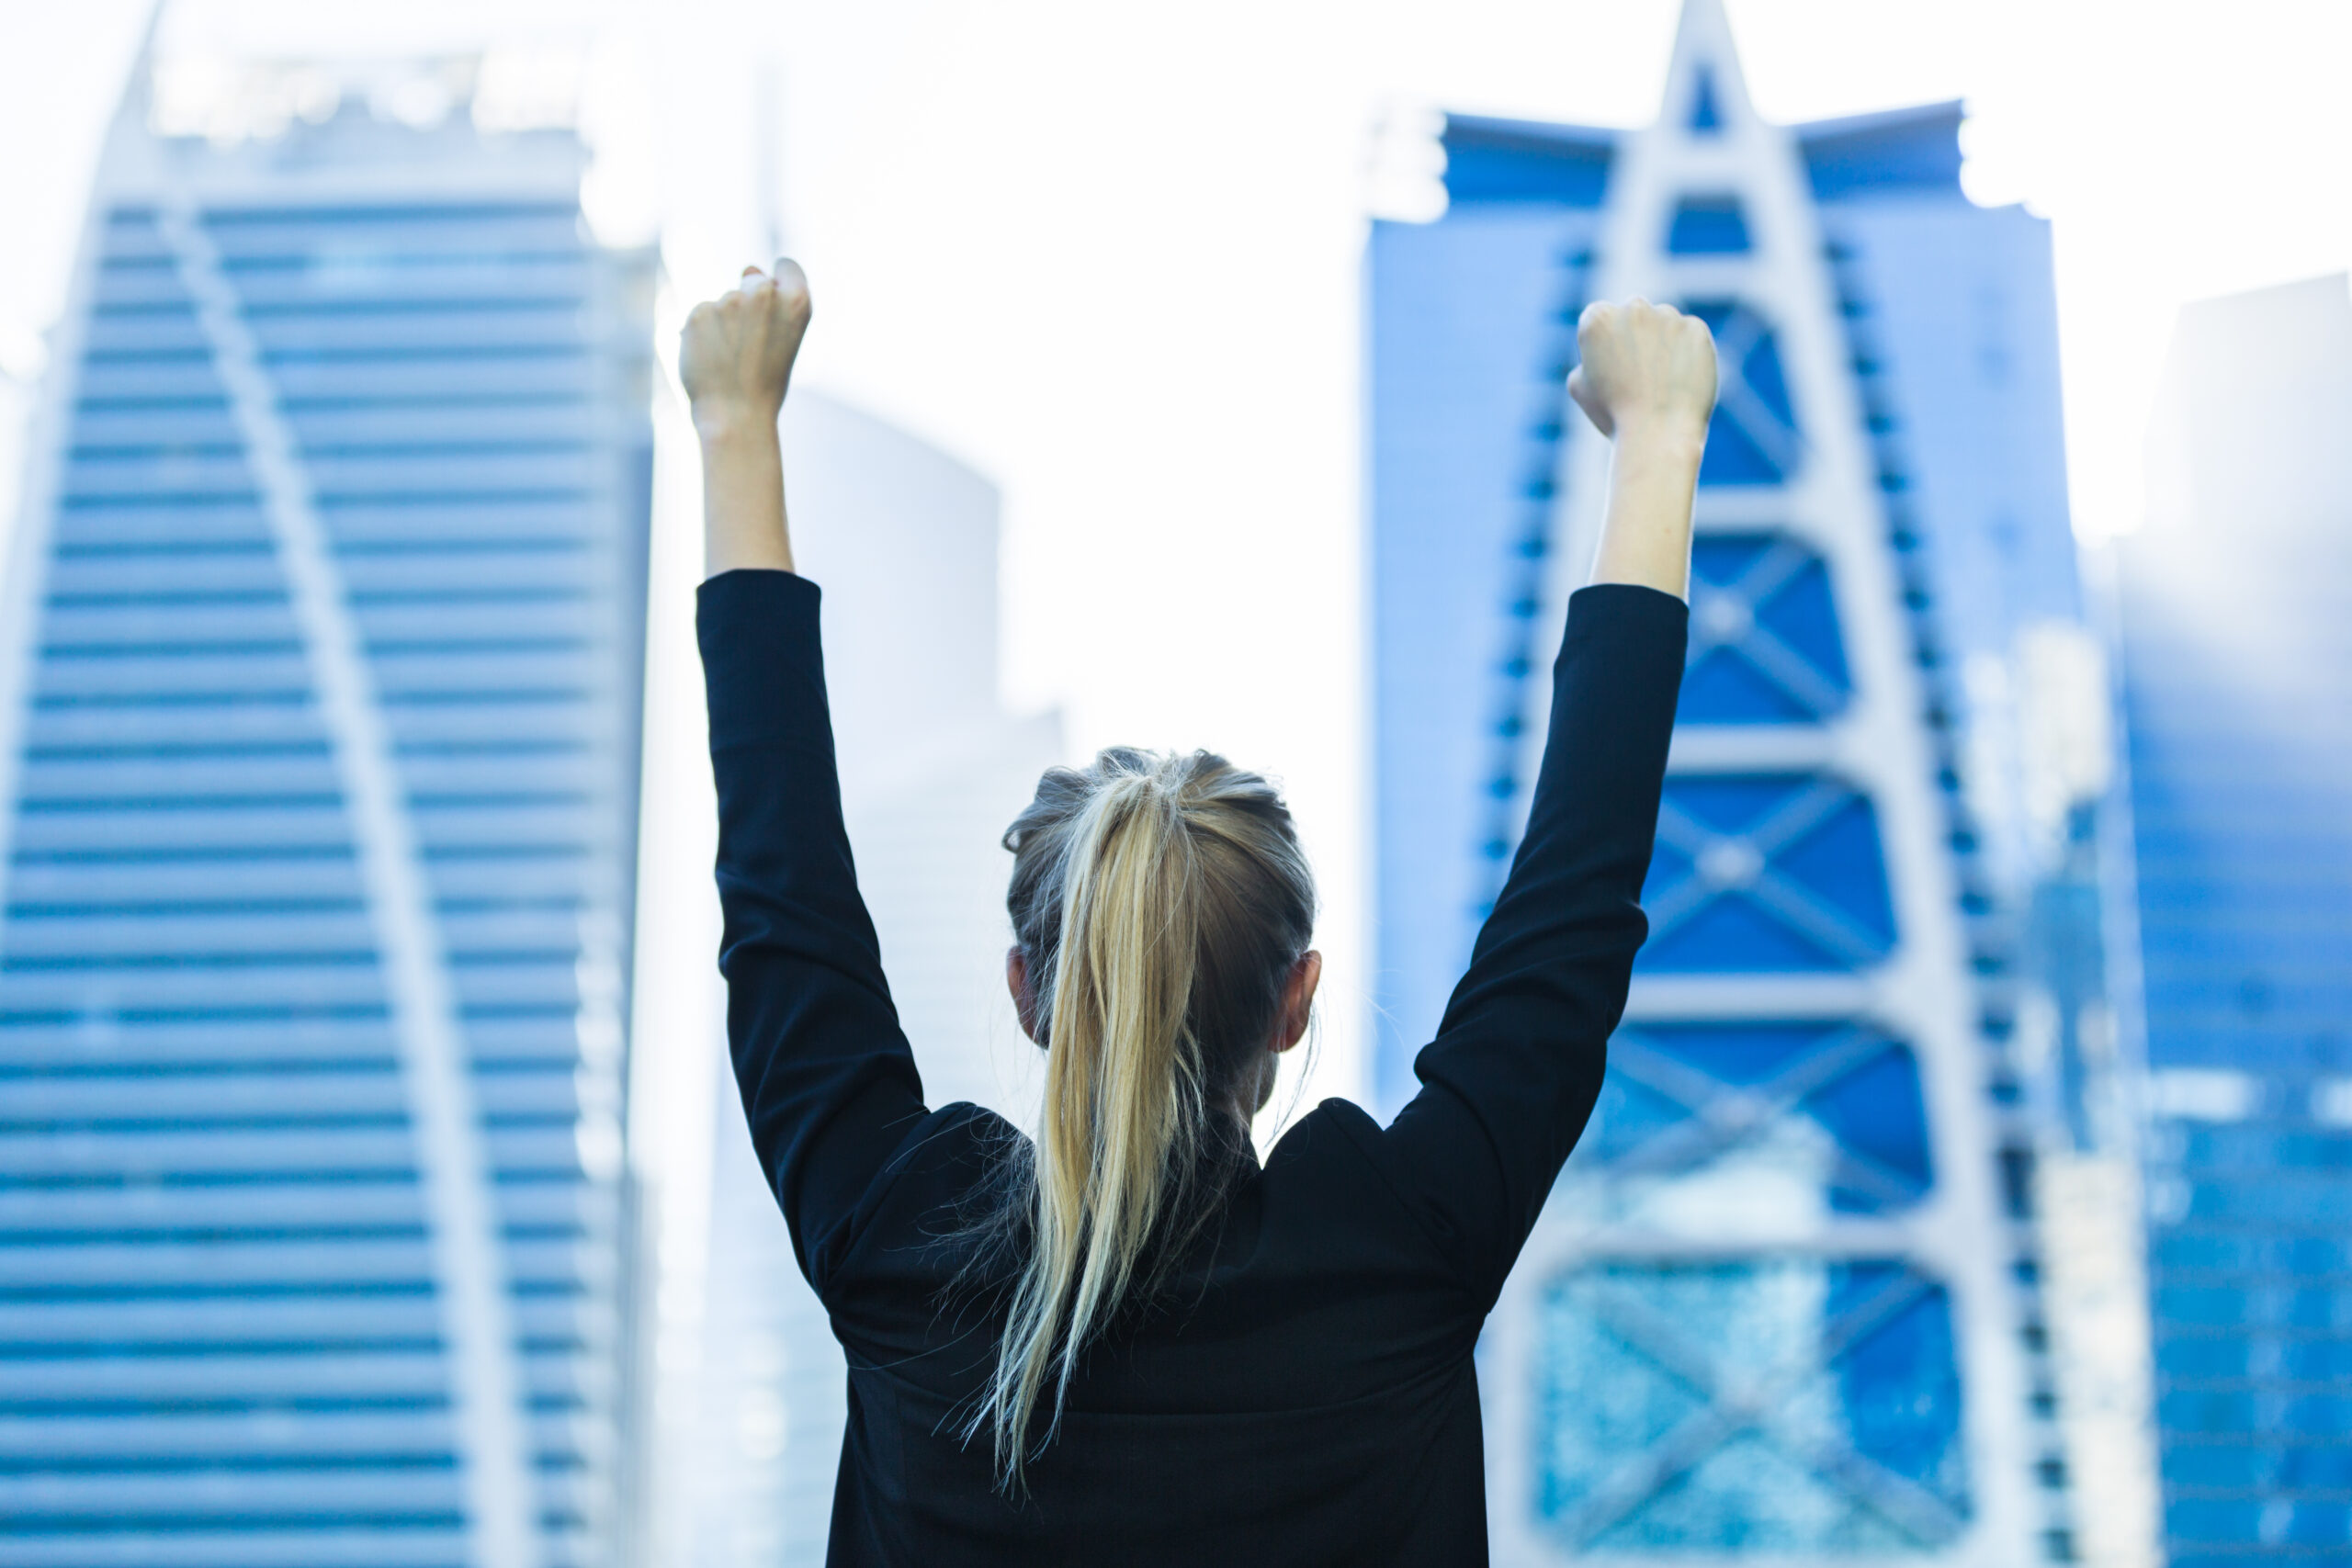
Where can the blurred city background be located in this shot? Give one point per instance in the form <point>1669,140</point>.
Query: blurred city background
<point>1973,1183</point>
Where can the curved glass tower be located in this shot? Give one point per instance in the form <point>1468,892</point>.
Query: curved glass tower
<point>1782,1306</point>
<point>318,763</point>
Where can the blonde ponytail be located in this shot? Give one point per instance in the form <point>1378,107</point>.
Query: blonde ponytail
<point>1160,903</point>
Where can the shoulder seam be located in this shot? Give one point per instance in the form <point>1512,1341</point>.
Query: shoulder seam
<point>1356,1137</point>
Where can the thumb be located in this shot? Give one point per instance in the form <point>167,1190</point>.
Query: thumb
<point>1585,398</point>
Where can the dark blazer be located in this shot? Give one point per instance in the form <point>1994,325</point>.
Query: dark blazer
<point>1301,1390</point>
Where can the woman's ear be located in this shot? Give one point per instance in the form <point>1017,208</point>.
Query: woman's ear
<point>1024,1001</point>
<point>1298,1000</point>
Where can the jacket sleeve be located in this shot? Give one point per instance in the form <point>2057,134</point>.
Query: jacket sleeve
<point>1517,1063</point>
<point>829,1084</point>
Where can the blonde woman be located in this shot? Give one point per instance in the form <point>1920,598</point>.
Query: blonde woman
<point>1126,1342</point>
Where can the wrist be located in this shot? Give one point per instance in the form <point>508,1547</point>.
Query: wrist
<point>1668,442</point>
<point>733,424</point>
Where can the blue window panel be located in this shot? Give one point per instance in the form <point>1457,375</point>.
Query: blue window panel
<point>2214,1410</point>
<point>362,334</point>
<point>1707,226</point>
<point>1759,370</point>
<point>104,382</point>
<point>2256,1146</point>
<point>2182,1358</point>
<point>1706,114</point>
<point>1758,872</point>
<point>2316,1467</point>
<point>304,1499</point>
<point>1752,352</point>
<point>321,277</point>
<point>2318,1361</point>
<point>1828,1116</point>
<point>2278,1523</point>
<point>2320,1414</point>
<point>1733,458</point>
<point>2215,1465</point>
<point>153,331</point>
<point>382,235</point>
<point>1752,439</point>
<point>439,377</point>
<point>2203,1306</point>
<point>547,470</point>
<point>2210,1520</point>
<point>323,429</point>
<point>103,426</point>
<point>1765,641</point>
<point>1850,1445</point>
<point>2247,1198</point>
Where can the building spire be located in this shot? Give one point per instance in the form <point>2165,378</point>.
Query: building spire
<point>1705,89</point>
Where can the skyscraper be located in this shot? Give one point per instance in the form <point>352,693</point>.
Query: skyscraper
<point>1782,1305</point>
<point>319,710</point>
<point>2235,611</point>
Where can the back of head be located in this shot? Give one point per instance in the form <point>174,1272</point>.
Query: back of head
<point>1160,904</point>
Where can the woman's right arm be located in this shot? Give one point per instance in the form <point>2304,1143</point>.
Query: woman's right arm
<point>828,1082</point>
<point>1517,1063</point>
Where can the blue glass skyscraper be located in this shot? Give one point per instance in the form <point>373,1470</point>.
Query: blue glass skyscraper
<point>318,764</point>
<point>1783,1303</point>
<point>2235,612</point>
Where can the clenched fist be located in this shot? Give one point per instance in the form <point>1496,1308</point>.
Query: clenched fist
<point>1646,368</point>
<point>735,355</point>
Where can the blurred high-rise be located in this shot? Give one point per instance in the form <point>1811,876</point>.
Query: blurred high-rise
<point>2235,608</point>
<point>319,702</point>
<point>1789,1299</point>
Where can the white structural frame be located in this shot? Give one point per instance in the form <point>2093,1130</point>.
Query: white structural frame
<point>1922,993</point>
<point>491,1429</point>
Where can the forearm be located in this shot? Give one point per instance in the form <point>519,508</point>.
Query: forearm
<point>742,495</point>
<point>1646,529</point>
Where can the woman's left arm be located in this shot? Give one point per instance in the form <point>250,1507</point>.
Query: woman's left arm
<point>828,1082</point>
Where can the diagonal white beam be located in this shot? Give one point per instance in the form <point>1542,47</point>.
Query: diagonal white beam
<point>485,1390</point>
<point>1798,907</point>
<point>1793,673</point>
<point>1771,572</point>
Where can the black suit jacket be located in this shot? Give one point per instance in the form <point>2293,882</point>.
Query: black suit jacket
<point>1301,1390</point>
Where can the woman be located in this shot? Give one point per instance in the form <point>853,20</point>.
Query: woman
<point>1128,1343</point>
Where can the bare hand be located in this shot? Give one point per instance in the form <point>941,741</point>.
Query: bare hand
<point>735,355</point>
<point>1645,366</point>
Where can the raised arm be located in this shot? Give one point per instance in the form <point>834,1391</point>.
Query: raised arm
<point>829,1085</point>
<point>1511,1078</point>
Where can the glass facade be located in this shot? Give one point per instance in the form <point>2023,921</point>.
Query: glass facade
<point>2234,603</point>
<point>318,828</point>
<point>1782,1305</point>
<point>1756,1397</point>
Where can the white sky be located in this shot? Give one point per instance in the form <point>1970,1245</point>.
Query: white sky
<point>1110,253</point>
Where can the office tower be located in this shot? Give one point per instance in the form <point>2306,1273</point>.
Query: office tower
<point>2235,601</point>
<point>1782,1305</point>
<point>903,541</point>
<point>319,690</point>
